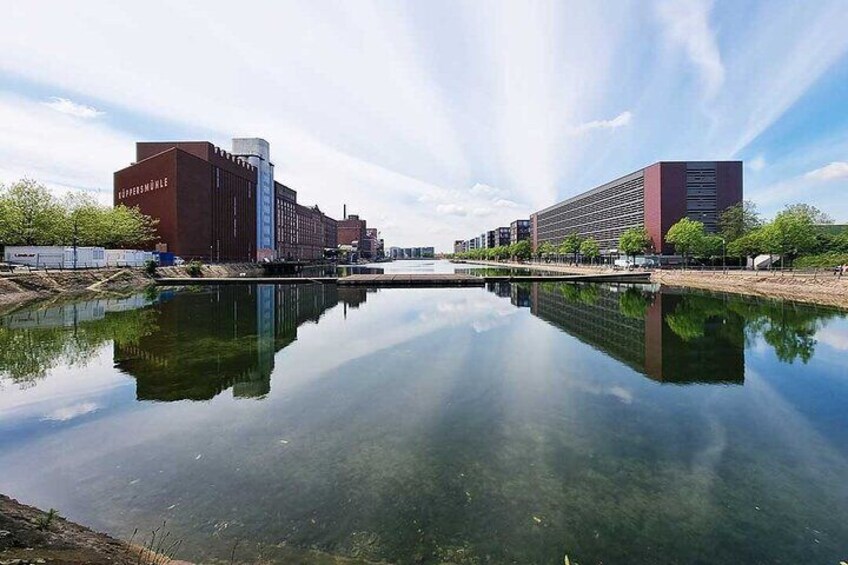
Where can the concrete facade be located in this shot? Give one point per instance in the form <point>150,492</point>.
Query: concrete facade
<point>655,197</point>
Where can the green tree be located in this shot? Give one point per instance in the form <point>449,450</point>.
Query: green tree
<point>809,213</point>
<point>521,250</point>
<point>749,245</point>
<point>790,234</point>
<point>711,246</point>
<point>32,215</point>
<point>571,244</point>
<point>634,241</point>
<point>687,236</point>
<point>545,250</point>
<point>737,220</point>
<point>590,249</point>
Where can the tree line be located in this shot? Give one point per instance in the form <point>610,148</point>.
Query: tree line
<point>796,231</point>
<point>586,248</point>
<point>32,215</point>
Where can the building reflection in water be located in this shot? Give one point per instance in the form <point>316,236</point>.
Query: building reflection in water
<point>656,332</point>
<point>226,337</point>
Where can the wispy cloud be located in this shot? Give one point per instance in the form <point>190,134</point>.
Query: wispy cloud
<point>71,108</point>
<point>687,25</point>
<point>619,121</point>
<point>831,171</point>
<point>757,164</point>
<point>445,130</point>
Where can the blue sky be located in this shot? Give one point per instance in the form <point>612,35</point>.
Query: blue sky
<point>435,119</point>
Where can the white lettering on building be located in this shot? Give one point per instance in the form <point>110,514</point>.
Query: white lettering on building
<point>149,186</point>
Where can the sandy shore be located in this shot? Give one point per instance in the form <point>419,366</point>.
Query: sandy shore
<point>821,288</point>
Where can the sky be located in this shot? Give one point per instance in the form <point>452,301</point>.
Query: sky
<point>435,120</point>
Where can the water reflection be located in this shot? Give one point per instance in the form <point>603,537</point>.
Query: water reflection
<point>445,425</point>
<point>226,337</point>
<point>671,335</point>
<point>36,339</point>
<point>214,339</point>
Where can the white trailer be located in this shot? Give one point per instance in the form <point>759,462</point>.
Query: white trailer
<point>56,256</point>
<point>127,257</point>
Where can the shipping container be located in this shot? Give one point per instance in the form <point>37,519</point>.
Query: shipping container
<point>56,256</point>
<point>127,257</point>
<point>164,258</point>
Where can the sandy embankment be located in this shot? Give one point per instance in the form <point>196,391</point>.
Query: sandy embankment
<point>816,288</point>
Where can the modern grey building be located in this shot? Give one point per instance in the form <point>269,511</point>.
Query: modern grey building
<point>655,197</point>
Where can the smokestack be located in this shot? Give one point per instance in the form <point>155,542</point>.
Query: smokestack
<point>344,211</point>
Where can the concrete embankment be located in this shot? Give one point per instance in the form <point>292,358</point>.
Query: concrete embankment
<point>816,288</point>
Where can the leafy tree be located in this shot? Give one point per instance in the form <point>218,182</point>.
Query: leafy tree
<point>571,244</point>
<point>711,245</point>
<point>749,245</point>
<point>521,250</point>
<point>546,249</point>
<point>687,236</point>
<point>737,220</point>
<point>809,213</point>
<point>790,234</point>
<point>128,227</point>
<point>589,248</point>
<point>32,215</point>
<point>633,241</point>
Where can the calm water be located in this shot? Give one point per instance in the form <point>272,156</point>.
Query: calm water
<point>511,424</point>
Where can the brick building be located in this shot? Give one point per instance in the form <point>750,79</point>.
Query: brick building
<point>203,197</point>
<point>351,229</point>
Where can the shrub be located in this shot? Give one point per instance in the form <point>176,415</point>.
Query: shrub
<point>824,260</point>
<point>150,267</point>
<point>195,268</point>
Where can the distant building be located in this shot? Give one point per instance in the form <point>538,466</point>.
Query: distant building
<point>286,221</point>
<point>503,236</point>
<point>458,246</point>
<point>519,230</point>
<point>655,197</point>
<point>412,252</point>
<point>351,229</point>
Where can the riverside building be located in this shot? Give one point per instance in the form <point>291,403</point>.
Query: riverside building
<point>655,197</point>
<point>214,205</point>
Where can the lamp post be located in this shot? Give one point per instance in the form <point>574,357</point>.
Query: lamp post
<point>723,254</point>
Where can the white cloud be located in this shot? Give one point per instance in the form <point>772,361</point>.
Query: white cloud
<point>480,189</point>
<point>505,203</point>
<point>59,150</point>
<point>832,171</point>
<point>687,24</point>
<point>620,120</point>
<point>757,164</point>
<point>451,210</point>
<point>72,108</point>
<point>481,211</point>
